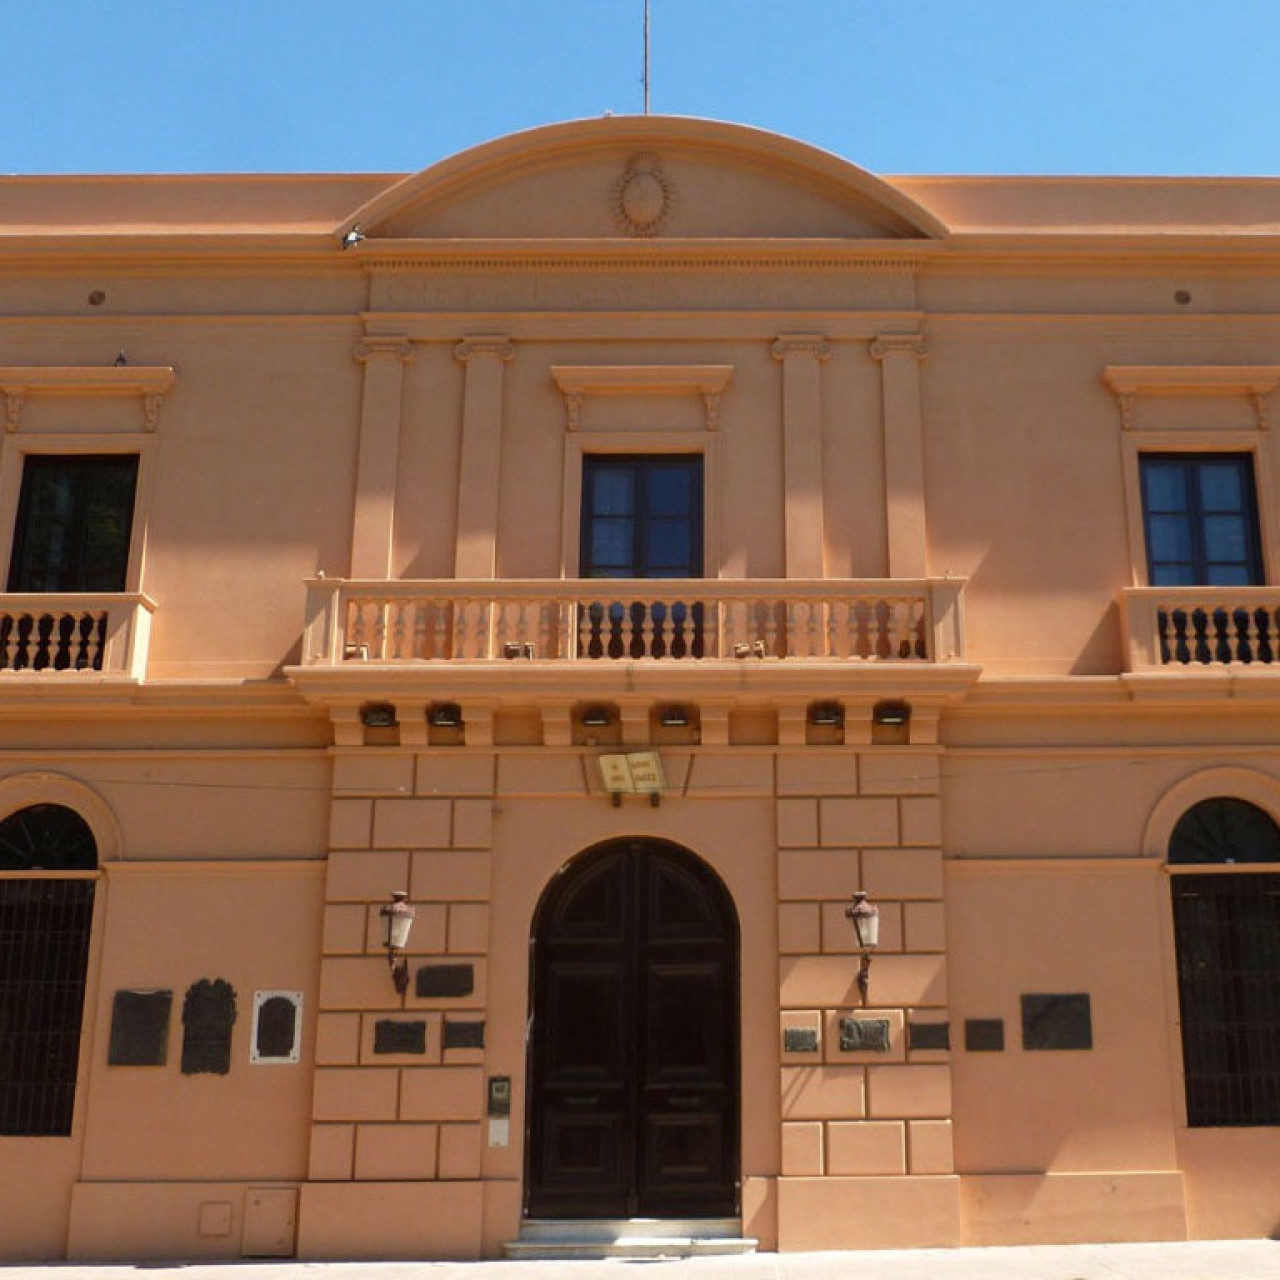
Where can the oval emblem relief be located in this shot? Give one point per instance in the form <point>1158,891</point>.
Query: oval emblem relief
<point>642,195</point>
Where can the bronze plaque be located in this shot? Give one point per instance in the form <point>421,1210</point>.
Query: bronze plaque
<point>1057,1021</point>
<point>928,1035</point>
<point>208,1014</point>
<point>864,1035</point>
<point>799,1040</point>
<point>140,1029</point>
<point>394,1036</point>
<point>446,980</point>
<point>984,1035</point>
<point>463,1035</point>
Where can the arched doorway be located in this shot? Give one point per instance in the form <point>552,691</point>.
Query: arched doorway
<point>1223,853</point>
<point>633,1094</point>
<point>46,914</point>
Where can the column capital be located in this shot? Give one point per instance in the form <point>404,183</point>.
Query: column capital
<point>384,347</point>
<point>497,345</point>
<point>801,344</point>
<point>899,344</point>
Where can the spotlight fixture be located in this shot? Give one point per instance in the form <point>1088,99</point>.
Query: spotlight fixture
<point>354,237</point>
<point>894,711</point>
<point>826,714</point>
<point>596,717</point>
<point>445,715</point>
<point>864,916</point>
<point>121,359</point>
<point>378,715</point>
<point>674,717</point>
<point>517,649</point>
<point>749,649</point>
<point>397,919</point>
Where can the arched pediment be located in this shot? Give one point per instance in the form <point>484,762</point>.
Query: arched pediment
<point>643,177</point>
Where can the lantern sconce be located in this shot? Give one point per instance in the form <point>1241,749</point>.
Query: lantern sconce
<point>865,918</point>
<point>397,919</point>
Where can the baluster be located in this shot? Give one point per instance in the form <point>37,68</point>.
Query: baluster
<point>439,629</point>
<point>483,613</point>
<point>11,642</point>
<point>584,630</point>
<point>544,638</point>
<point>872,629</point>
<point>658,629</point>
<point>458,645</point>
<point>730,626</point>
<point>1272,631</point>
<point>1250,634</point>
<point>78,642</point>
<point>771,646</point>
<point>420,608</point>
<point>626,628</point>
<point>502,629</point>
<point>395,628</point>
<point>918,634</point>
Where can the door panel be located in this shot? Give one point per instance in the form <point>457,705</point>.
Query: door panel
<point>633,1100</point>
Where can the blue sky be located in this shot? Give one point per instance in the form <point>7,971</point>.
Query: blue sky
<point>934,86</point>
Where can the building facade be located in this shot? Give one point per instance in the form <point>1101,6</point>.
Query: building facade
<point>630,539</point>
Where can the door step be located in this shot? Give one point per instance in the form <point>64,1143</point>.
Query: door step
<point>567,1238</point>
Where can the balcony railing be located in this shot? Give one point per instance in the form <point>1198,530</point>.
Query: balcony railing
<point>675,620</point>
<point>75,634</point>
<point>1200,626</point>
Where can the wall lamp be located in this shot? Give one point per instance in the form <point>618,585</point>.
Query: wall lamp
<point>596,717</point>
<point>826,714</point>
<point>397,919</point>
<point>865,918</point>
<point>445,715</point>
<point>378,715</point>
<point>894,711</point>
<point>674,717</point>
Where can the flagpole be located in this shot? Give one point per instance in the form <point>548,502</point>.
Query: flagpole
<point>646,57</point>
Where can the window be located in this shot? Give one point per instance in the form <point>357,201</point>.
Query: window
<point>44,954</point>
<point>75,515</point>
<point>1200,520</point>
<point>1227,938</point>
<point>642,518</point>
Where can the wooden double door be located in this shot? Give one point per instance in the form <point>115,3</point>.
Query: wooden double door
<point>633,1105</point>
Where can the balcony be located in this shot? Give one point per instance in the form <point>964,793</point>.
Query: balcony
<point>685,621</point>
<point>76,635</point>
<point>1200,627</point>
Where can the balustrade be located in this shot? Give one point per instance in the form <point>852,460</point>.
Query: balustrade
<point>75,633</point>
<point>601,620</point>
<point>1201,626</point>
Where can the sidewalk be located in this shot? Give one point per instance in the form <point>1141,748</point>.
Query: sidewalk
<point>1207,1260</point>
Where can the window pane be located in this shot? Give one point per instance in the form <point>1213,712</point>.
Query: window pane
<point>671,491</point>
<point>1172,575</point>
<point>668,548</point>
<point>1226,575</point>
<point>1164,485</point>
<point>1221,486</point>
<point>613,491</point>
<point>611,545</point>
<point>1170,538</point>
<point>1225,539</point>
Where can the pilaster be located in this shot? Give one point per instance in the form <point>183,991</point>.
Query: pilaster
<point>483,356</point>
<point>802,355</point>
<point>384,359</point>
<point>899,356</point>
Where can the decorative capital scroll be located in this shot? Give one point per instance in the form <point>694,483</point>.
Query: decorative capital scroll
<point>1262,408</point>
<point>384,347</point>
<point>497,345</point>
<point>151,403</point>
<point>798,344</point>
<point>1125,400</point>
<point>13,401</point>
<point>899,344</point>
<point>573,409</point>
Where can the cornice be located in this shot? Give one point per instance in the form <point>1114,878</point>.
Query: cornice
<point>819,254</point>
<point>149,382</point>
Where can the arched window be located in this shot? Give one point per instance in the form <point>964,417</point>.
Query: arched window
<point>1227,934</point>
<point>45,919</point>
